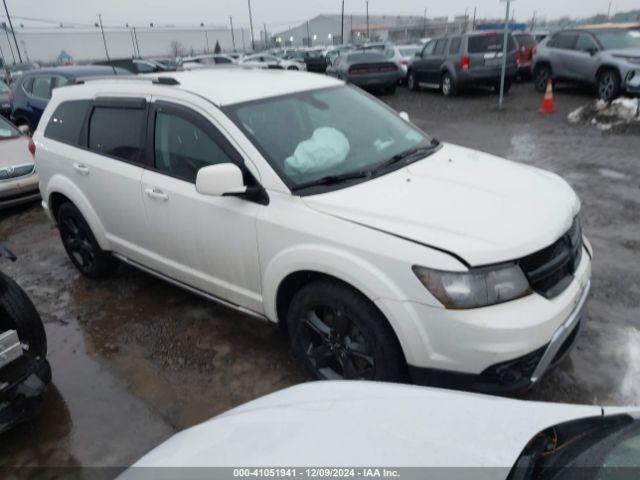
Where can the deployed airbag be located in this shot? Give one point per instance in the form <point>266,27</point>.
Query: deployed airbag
<point>326,148</point>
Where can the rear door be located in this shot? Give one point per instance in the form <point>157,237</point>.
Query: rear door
<point>207,242</point>
<point>561,53</point>
<point>109,171</point>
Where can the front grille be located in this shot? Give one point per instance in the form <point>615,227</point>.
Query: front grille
<point>9,173</point>
<point>551,270</point>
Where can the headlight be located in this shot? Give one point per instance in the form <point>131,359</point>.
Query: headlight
<point>479,287</point>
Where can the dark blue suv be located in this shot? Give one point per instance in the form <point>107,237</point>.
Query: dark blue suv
<point>30,94</point>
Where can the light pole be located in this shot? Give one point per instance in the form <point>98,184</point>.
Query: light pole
<point>504,52</point>
<point>4,25</point>
<point>342,24</point>
<point>233,38</point>
<point>368,37</point>
<point>424,29</point>
<point>253,43</point>
<point>14,33</point>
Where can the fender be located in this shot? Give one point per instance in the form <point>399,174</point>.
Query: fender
<point>60,184</point>
<point>355,271</point>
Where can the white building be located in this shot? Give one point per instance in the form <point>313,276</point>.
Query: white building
<point>83,44</point>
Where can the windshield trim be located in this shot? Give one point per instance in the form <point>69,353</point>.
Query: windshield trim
<point>231,112</point>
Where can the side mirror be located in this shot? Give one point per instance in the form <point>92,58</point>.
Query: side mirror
<point>220,179</point>
<point>404,116</point>
<point>592,51</point>
<point>24,129</point>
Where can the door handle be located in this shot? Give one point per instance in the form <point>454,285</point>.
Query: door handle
<point>156,194</point>
<point>81,168</point>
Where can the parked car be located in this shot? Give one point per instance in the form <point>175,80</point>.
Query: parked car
<point>332,53</point>
<point>136,65</point>
<point>457,434</point>
<point>384,253</point>
<point>18,177</point>
<point>540,35</point>
<point>264,61</point>
<point>16,70</point>
<point>370,70</point>
<point>200,61</point>
<point>526,44</point>
<point>453,62</point>
<point>32,92</point>
<point>313,59</point>
<point>608,59</point>
<point>24,370</point>
<point>405,55</point>
<point>5,100</point>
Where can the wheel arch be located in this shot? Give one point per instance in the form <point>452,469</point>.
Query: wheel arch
<point>607,66</point>
<point>60,190</point>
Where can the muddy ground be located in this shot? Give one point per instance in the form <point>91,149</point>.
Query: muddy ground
<point>135,359</point>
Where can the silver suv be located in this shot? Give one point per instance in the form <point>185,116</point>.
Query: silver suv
<point>606,58</point>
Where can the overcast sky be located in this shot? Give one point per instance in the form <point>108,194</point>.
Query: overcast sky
<point>283,12</point>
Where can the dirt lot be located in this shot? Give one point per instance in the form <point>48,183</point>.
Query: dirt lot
<point>135,359</point>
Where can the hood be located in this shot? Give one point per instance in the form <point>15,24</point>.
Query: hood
<point>625,52</point>
<point>366,424</point>
<point>15,151</point>
<point>480,207</point>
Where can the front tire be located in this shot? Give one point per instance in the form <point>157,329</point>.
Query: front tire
<point>18,312</point>
<point>412,82</point>
<point>448,85</point>
<point>292,68</point>
<point>81,245</point>
<point>609,85</point>
<point>337,333</point>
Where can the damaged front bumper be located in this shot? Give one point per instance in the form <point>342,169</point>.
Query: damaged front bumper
<point>23,381</point>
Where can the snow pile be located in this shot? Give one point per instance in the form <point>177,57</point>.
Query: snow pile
<point>605,116</point>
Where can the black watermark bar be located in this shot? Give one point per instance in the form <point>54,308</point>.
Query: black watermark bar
<point>320,472</point>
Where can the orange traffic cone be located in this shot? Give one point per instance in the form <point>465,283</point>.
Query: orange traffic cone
<point>548,105</point>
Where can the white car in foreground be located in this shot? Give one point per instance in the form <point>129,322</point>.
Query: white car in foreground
<point>304,201</point>
<point>378,425</point>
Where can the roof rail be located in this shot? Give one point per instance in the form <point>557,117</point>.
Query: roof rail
<point>135,78</point>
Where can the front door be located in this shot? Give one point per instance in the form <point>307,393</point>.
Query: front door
<point>207,242</point>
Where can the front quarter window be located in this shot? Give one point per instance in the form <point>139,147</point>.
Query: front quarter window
<point>330,132</point>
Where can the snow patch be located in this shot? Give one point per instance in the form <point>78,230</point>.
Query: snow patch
<point>606,116</point>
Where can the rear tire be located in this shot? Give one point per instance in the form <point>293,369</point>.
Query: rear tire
<point>541,77</point>
<point>18,312</point>
<point>337,333</point>
<point>609,85</point>
<point>292,68</point>
<point>412,82</point>
<point>81,244</point>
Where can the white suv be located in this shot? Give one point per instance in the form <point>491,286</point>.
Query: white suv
<point>296,198</point>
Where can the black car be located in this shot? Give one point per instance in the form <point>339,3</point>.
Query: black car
<point>24,370</point>
<point>137,65</point>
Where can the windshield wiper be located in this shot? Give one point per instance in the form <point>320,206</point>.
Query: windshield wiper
<point>331,180</point>
<point>415,153</point>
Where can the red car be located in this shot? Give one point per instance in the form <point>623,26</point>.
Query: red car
<point>524,55</point>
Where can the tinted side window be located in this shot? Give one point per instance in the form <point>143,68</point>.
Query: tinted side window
<point>182,148</point>
<point>67,121</point>
<point>440,46</point>
<point>42,87</point>
<point>428,48</point>
<point>222,60</point>
<point>117,132</point>
<point>27,85</point>
<point>566,41</point>
<point>454,46</point>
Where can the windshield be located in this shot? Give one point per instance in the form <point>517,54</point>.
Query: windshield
<point>330,132</point>
<point>619,39</point>
<point>7,130</point>
<point>526,40</point>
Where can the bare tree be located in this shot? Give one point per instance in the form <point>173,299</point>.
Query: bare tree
<point>176,49</point>
<point>217,49</point>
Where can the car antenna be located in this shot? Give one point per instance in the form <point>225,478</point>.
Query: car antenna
<point>104,40</point>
